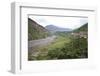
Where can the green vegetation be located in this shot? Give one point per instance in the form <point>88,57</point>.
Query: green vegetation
<point>52,48</point>
<point>84,27</point>
<point>77,48</point>
<point>64,48</point>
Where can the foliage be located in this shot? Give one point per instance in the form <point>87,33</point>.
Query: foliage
<point>84,27</point>
<point>77,48</point>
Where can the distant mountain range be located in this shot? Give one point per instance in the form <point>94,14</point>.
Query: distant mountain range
<point>54,28</point>
<point>37,31</point>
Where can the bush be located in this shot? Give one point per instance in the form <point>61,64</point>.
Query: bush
<point>77,48</point>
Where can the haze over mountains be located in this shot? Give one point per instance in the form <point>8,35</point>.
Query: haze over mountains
<point>54,28</point>
<point>37,31</point>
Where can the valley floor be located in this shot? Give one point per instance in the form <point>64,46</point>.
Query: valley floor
<point>38,49</point>
<point>33,45</point>
<point>58,47</point>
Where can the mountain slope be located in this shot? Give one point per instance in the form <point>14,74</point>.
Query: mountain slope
<point>54,28</point>
<point>36,31</point>
<point>84,28</point>
<point>81,32</point>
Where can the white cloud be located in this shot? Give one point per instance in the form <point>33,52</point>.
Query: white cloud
<point>65,22</point>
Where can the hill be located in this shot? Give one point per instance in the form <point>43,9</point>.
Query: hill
<point>54,28</point>
<point>36,31</point>
<point>81,32</point>
<point>84,28</point>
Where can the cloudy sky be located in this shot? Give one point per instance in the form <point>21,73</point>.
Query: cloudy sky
<point>65,22</point>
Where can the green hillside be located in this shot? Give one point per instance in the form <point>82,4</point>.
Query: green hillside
<point>84,27</point>
<point>36,31</point>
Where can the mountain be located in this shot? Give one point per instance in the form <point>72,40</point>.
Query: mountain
<point>54,28</point>
<point>36,31</point>
<point>84,28</point>
<point>81,32</point>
